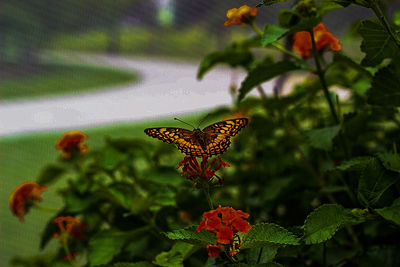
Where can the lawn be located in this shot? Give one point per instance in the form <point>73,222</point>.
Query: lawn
<point>60,79</point>
<point>21,159</point>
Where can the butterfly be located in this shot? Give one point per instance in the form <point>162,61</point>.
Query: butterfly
<point>212,140</point>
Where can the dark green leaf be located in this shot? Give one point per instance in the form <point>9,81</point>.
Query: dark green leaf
<point>328,5</point>
<point>104,246</point>
<point>293,21</point>
<point>322,138</point>
<point>232,57</point>
<point>390,161</point>
<point>269,2</point>
<point>355,164</point>
<point>190,235</point>
<point>385,89</point>
<point>262,73</point>
<point>374,181</point>
<point>387,256</point>
<point>272,33</point>
<point>265,234</point>
<point>50,174</point>
<point>261,255</point>
<point>175,256</point>
<point>324,222</point>
<point>377,43</point>
<point>391,213</point>
<point>396,17</point>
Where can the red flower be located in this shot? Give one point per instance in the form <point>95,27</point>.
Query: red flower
<point>192,169</point>
<point>69,225</point>
<point>225,222</point>
<point>23,197</point>
<point>213,250</point>
<point>303,45</point>
<point>72,142</point>
<point>240,16</point>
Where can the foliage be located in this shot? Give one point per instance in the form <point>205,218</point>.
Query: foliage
<point>314,178</point>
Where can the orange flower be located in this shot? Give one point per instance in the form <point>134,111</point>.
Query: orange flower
<point>72,142</point>
<point>303,45</point>
<point>225,223</point>
<point>240,16</point>
<point>69,225</point>
<point>23,197</point>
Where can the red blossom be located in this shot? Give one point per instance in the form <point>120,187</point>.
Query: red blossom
<point>303,45</point>
<point>71,143</point>
<point>191,168</point>
<point>225,223</point>
<point>22,198</point>
<point>69,225</point>
<point>213,250</point>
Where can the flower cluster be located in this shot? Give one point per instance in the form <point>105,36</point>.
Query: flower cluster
<point>302,43</point>
<point>23,197</point>
<point>240,16</point>
<point>71,143</point>
<point>225,222</point>
<point>192,169</point>
<point>69,225</point>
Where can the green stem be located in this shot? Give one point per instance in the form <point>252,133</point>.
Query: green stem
<point>45,209</point>
<point>321,76</point>
<point>282,48</point>
<point>382,18</point>
<point>206,190</point>
<point>64,241</point>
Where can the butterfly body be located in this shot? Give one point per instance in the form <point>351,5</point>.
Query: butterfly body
<point>212,140</point>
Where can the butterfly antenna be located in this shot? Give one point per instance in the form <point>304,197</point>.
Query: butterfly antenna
<point>203,120</point>
<point>184,122</point>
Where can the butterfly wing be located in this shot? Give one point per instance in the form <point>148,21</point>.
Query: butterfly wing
<point>219,134</point>
<point>181,137</point>
<point>169,134</point>
<point>228,127</point>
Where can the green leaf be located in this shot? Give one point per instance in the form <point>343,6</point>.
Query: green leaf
<point>104,246</point>
<point>396,17</point>
<point>267,255</point>
<point>269,2</point>
<point>110,158</point>
<point>50,174</point>
<point>355,164</point>
<point>175,256</point>
<point>265,234</point>
<point>377,43</point>
<point>374,181</point>
<point>190,235</point>
<point>292,20</point>
<point>322,138</point>
<point>390,161</point>
<point>391,213</point>
<point>262,73</point>
<point>385,89</point>
<point>322,223</point>
<point>232,57</point>
<point>128,264</point>
<point>272,33</point>
<point>328,5</point>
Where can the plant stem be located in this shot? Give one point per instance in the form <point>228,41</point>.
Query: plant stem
<point>282,48</point>
<point>64,239</point>
<point>321,76</point>
<point>261,92</point>
<point>42,208</point>
<point>206,190</point>
<point>381,16</point>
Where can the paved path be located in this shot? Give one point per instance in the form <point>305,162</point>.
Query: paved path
<point>166,88</point>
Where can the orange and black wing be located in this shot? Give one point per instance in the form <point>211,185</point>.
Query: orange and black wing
<point>168,134</point>
<point>181,137</point>
<point>219,134</point>
<point>228,127</point>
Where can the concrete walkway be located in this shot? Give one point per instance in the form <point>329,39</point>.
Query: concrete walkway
<point>167,88</point>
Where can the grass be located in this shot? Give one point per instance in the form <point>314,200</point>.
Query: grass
<point>62,79</point>
<point>21,159</point>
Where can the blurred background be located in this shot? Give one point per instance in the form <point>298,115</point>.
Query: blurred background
<point>108,68</point>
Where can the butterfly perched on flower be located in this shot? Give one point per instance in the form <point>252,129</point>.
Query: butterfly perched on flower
<point>212,140</point>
